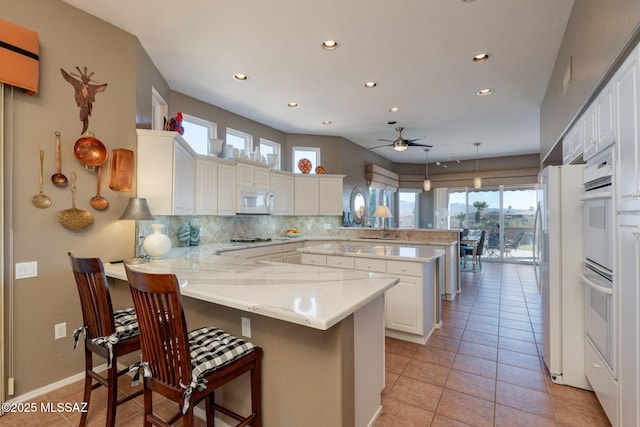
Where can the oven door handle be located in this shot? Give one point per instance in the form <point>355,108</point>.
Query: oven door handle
<point>599,288</point>
<point>596,195</point>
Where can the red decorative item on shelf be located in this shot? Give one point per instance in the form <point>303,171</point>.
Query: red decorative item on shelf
<point>305,165</point>
<point>175,124</point>
<point>319,169</point>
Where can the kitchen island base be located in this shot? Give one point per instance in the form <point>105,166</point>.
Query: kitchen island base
<point>310,377</point>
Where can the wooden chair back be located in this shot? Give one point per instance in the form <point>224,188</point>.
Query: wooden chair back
<point>93,289</point>
<point>163,330</point>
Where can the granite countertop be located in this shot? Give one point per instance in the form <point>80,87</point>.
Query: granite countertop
<point>316,297</point>
<point>379,250</point>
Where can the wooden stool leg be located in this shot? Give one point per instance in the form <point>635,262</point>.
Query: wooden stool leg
<point>112,398</point>
<point>88,366</point>
<point>256,393</point>
<point>210,409</point>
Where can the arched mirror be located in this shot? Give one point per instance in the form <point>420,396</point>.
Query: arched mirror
<point>358,206</point>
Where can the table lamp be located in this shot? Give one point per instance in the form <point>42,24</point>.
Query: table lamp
<point>383,212</point>
<point>137,210</point>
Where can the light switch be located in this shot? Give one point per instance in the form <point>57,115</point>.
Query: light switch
<point>246,327</point>
<point>25,270</point>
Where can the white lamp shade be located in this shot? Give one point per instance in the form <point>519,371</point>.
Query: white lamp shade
<point>382,212</point>
<point>477,182</point>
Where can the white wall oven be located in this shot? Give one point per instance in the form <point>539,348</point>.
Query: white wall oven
<point>599,214</point>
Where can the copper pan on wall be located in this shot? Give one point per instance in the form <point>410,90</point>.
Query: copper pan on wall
<point>90,151</point>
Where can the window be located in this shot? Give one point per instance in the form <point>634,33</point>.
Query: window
<point>408,209</point>
<point>239,140</point>
<point>198,133</point>
<point>270,147</point>
<point>505,214</point>
<point>311,153</point>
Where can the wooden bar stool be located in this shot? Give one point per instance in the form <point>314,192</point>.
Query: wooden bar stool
<point>187,367</point>
<point>109,334</point>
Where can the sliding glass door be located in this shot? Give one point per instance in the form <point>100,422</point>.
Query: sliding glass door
<point>505,214</point>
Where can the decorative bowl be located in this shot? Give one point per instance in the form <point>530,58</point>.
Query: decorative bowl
<point>293,234</point>
<point>305,165</point>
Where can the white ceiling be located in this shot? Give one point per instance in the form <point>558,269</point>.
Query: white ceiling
<point>419,52</point>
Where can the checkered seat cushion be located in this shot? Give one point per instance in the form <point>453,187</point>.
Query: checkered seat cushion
<point>213,348</point>
<point>126,323</point>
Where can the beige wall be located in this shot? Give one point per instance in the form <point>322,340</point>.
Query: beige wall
<point>596,34</point>
<point>68,38</point>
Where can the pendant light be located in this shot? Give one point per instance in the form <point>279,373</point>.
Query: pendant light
<point>477,181</point>
<point>426,185</point>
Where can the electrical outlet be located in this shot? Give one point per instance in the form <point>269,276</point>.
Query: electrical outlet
<point>246,327</point>
<point>25,270</point>
<point>60,330</point>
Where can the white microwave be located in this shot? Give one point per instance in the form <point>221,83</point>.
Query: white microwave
<point>256,201</point>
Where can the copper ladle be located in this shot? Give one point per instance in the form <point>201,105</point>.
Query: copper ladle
<point>98,202</point>
<point>58,179</point>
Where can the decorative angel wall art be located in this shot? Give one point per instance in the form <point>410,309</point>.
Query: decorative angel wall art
<point>85,92</point>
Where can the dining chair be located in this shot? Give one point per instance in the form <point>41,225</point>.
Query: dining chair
<point>187,367</point>
<point>108,333</point>
<point>479,250</point>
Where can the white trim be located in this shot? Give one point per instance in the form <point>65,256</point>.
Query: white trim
<point>159,110</point>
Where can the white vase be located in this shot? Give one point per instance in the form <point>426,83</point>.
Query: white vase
<point>157,244</point>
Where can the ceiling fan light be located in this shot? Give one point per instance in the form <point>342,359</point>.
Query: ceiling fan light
<point>399,146</point>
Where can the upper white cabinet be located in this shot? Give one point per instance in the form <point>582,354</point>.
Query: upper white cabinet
<point>282,188</point>
<point>572,144</point>
<point>215,186</point>
<point>318,195</point>
<point>249,175</point>
<point>599,130</point>
<point>627,89</point>
<point>165,172</point>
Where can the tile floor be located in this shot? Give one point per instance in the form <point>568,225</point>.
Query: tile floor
<point>481,369</point>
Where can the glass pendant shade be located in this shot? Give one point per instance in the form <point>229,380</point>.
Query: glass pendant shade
<point>477,182</point>
<point>426,185</point>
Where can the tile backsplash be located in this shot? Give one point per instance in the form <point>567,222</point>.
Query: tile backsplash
<point>221,229</point>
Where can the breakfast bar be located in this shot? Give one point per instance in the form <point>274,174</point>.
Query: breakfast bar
<point>321,329</point>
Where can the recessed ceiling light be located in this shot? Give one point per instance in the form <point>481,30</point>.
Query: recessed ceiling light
<point>326,122</point>
<point>293,104</point>
<point>240,77</point>
<point>330,44</point>
<point>370,85</point>
<point>394,109</point>
<point>487,91</point>
<point>481,57</point>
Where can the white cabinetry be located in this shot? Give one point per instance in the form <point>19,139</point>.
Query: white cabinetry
<point>629,284</point>
<point>215,186</point>
<point>226,189</point>
<point>166,172</point>
<point>409,305</point>
<point>599,124</point>
<point>572,144</point>
<point>627,88</point>
<point>318,195</point>
<point>250,175</point>
<point>282,189</point>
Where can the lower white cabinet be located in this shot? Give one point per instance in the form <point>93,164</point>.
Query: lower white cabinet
<point>409,305</point>
<point>628,282</point>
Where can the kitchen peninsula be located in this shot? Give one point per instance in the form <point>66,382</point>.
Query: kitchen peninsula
<point>322,331</point>
<point>412,306</point>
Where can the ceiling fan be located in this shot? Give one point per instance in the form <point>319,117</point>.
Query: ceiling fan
<point>401,144</point>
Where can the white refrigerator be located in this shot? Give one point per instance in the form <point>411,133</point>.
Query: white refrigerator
<point>558,261</point>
